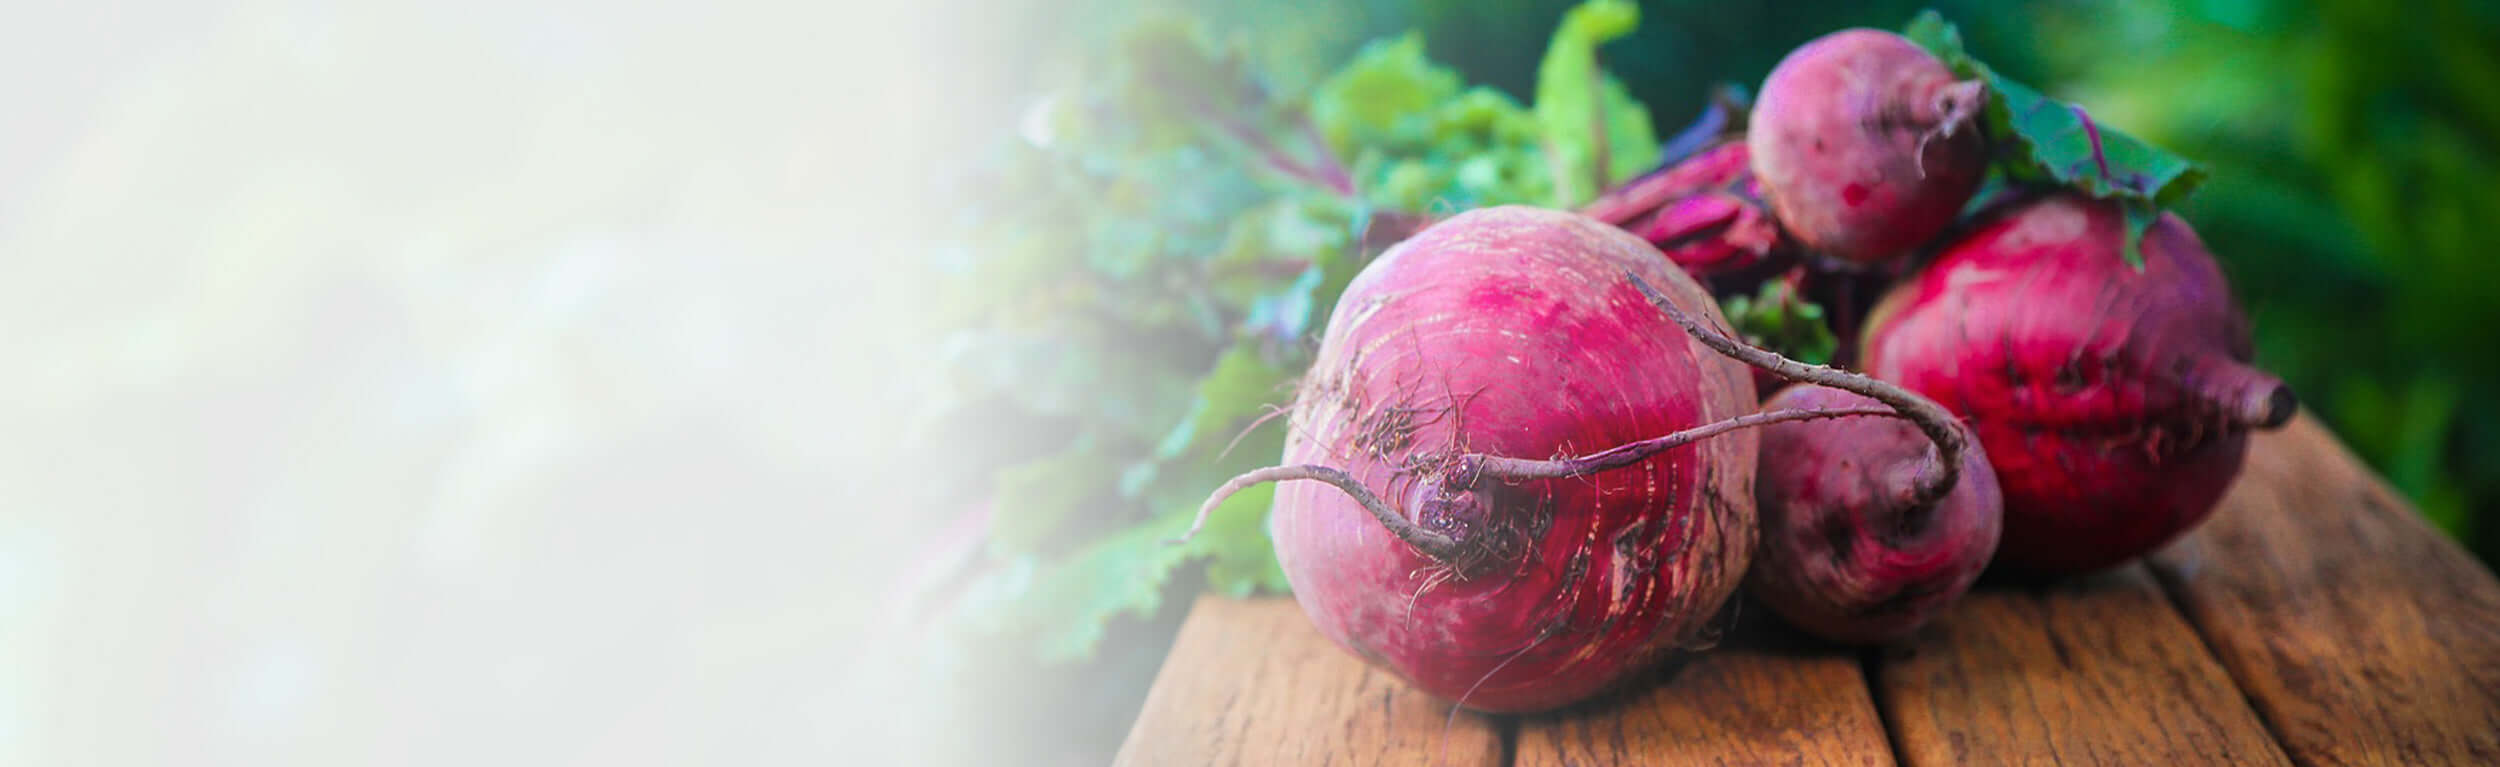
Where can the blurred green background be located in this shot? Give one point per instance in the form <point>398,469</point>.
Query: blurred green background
<point>2351,146</point>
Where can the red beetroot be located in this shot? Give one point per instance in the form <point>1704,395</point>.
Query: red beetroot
<point>2114,404</point>
<point>1865,144</point>
<point>1479,571</point>
<point>1510,332</point>
<point>1844,555</point>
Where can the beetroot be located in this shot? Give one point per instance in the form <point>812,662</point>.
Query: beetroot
<point>1844,555</point>
<point>2113,403</point>
<point>1865,145</point>
<point>1510,332</point>
<point>1448,551</point>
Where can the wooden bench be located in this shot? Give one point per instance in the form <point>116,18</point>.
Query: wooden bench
<point>2315,619</point>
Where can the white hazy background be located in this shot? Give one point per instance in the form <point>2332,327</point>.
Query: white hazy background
<point>456,382</point>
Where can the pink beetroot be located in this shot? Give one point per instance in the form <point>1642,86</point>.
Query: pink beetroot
<point>2113,403</point>
<point>1510,332</point>
<point>1527,505</point>
<point>1844,555</point>
<point>1865,145</point>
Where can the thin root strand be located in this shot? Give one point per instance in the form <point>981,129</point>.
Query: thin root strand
<point>1430,543</point>
<point>1630,453</point>
<point>1933,481</point>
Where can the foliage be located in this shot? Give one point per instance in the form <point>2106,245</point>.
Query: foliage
<point>1776,317</point>
<point>2043,140</point>
<point>1594,131</point>
<point>1424,142</point>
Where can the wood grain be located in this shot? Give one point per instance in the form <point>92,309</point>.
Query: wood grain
<point>2317,620</point>
<point>2095,670</point>
<point>2359,633</point>
<point>1766,699</point>
<point>1250,682</point>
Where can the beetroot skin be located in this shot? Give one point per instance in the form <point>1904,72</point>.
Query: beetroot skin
<point>2114,404</point>
<point>1704,212</point>
<point>1865,145</point>
<point>1511,331</point>
<point>1843,554</point>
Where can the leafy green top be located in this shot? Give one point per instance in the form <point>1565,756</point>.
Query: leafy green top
<point>2054,142</point>
<point>1593,128</point>
<point>1776,317</point>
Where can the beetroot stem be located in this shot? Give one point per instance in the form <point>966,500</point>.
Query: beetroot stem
<point>1599,149</point>
<point>1933,481</point>
<point>1329,166</point>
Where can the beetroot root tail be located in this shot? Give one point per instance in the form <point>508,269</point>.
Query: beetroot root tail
<point>2247,396</point>
<point>1432,544</point>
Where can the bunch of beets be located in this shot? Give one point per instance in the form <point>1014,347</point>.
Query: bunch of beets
<point>1536,462</point>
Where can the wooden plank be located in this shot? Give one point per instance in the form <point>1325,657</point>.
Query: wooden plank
<point>1769,697</point>
<point>2361,634</point>
<point>2094,670</point>
<point>1250,682</point>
